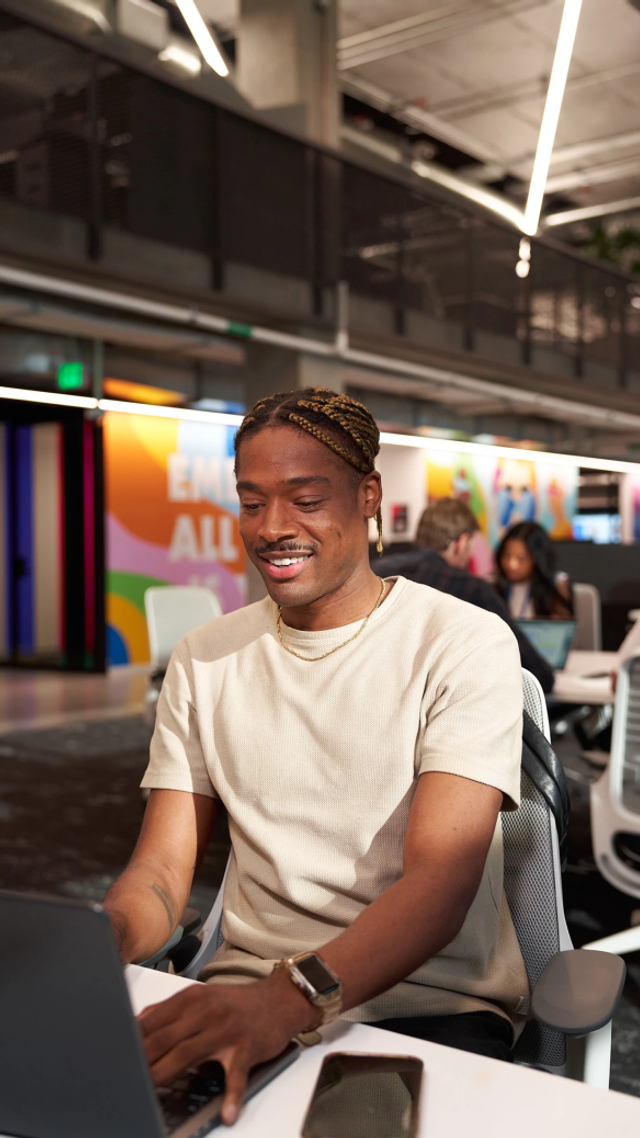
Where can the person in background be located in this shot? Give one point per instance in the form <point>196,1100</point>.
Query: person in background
<point>527,578</point>
<point>440,559</point>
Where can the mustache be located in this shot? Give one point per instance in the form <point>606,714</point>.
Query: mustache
<point>284,547</point>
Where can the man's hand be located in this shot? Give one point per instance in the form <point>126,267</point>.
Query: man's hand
<point>237,1024</point>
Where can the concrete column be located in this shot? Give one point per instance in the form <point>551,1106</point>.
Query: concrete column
<point>276,369</point>
<point>286,55</point>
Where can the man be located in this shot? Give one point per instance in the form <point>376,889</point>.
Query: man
<point>441,557</point>
<point>364,736</point>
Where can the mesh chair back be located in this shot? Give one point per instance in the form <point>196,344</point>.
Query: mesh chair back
<point>587,612</point>
<point>172,611</point>
<point>631,754</point>
<point>532,886</point>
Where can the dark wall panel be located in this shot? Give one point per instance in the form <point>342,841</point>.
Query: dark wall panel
<point>265,198</point>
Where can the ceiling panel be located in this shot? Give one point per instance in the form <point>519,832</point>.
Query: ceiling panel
<point>497,74</point>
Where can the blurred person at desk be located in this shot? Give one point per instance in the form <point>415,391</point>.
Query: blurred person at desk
<point>364,736</point>
<point>527,577</point>
<point>440,560</point>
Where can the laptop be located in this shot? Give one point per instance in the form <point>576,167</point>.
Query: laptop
<point>551,638</point>
<point>72,1064</point>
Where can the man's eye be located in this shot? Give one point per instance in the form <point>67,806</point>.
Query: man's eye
<point>310,505</point>
<point>251,506</point>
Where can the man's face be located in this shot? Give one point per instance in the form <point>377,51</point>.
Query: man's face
<point>303,514</point>
<point>458,552</point>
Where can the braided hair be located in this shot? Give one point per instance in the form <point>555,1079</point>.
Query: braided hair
<point>341,423</point>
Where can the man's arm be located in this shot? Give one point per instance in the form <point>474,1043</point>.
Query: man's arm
<point>147,900</point>
<point>451,825</point>
<point>530,658</point>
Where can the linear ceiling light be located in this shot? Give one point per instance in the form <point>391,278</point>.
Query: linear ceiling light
<point>472,192</point>
<point>203,37</point>
<point>616,466</point>
<point>85,402</point>
<point>220,418</point>
<point>566,217</point>
<point>186,60</point>
<point>552,107</point>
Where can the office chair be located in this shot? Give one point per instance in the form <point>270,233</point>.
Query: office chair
<point>565,1034</point>
<point>615,804</point>
<point>172,611</point>
<point>587,611</point>
<point>573,995</point>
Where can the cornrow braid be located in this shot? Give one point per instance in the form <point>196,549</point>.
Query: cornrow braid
<point>350,430</point>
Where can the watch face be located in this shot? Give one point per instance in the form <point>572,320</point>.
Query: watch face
<point>315,972</point>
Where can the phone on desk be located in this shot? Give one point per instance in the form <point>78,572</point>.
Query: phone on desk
<point>365,1096</point>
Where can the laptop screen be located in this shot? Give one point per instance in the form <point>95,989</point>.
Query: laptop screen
<point>551,638</point>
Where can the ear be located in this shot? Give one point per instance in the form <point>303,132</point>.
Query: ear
<point>370,494</point>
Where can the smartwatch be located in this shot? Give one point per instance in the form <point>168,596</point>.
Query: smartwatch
<point>314,978</point>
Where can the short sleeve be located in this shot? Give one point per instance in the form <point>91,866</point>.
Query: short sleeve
<point>473,714</point>
<point>176,760</point>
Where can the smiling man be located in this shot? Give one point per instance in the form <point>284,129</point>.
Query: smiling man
<point>364,735</point>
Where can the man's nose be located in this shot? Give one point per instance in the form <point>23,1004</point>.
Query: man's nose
<point>277,523</point>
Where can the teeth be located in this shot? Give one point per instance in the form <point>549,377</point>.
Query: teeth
<point>289,561</point>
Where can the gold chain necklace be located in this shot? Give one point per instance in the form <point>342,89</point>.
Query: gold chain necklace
<point>313,659</point>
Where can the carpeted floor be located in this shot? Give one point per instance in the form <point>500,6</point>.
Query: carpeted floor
<point>70,811</point>
<point>71,808</point>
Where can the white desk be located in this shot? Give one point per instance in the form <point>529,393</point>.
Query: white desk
<point>464,1095</point>
<point>575,684</point>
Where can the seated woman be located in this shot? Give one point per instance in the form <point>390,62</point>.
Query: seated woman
<point>526,575</point>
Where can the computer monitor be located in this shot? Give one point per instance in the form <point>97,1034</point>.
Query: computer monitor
<point>551,638</point>
<point>603,529</point>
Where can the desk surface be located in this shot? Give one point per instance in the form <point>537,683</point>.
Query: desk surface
<point>463,1094</point>
<point>580,680</point>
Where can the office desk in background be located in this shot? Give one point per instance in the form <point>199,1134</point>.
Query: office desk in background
<point>463,1095</point>
<point>576,682</point>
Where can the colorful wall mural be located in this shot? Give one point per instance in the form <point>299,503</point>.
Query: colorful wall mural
<point>502,491</point>
<point>172,519</point>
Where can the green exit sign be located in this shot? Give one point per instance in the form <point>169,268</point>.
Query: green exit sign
<point>70,375</point>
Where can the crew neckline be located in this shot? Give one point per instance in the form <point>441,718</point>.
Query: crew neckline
<point>298,637</point>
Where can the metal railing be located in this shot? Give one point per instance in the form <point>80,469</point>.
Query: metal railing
<point>119,153</point>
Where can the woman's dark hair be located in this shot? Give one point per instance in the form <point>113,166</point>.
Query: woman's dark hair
<point>547,600</point>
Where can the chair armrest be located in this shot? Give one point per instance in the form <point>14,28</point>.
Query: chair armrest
<point>578,991</point>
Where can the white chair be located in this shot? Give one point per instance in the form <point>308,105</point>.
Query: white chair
<point>587,610</point>
<point>615,804</point>
<point>582,1047</point>
<point>172,611</point>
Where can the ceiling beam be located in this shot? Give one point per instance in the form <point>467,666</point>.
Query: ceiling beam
<point>428,27</point>
<point>593,175</point>
<point>493,98</point>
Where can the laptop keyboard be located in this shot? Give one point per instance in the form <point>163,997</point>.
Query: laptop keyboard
<point>188,1094</point>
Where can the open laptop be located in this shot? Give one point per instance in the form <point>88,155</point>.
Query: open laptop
<point>72,1064</point>
<point>551,638</point>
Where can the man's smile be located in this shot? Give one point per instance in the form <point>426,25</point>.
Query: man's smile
<point>284,566</point>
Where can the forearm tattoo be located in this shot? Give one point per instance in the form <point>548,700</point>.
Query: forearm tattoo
<point>163,896</point>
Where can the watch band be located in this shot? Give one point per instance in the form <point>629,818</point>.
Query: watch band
<point>328,1004</point>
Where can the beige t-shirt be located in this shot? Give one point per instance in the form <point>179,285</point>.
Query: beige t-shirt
<point>317,763</point>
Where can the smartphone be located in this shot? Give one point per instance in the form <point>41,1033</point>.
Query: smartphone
<point>365,1096</point>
